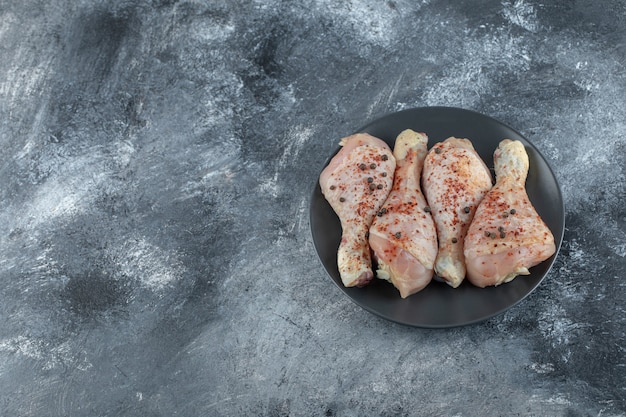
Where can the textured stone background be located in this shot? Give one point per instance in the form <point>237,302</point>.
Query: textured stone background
<point>156,163</point>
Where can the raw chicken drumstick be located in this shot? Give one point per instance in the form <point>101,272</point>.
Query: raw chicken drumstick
<point>356,183</point>
<point>454,181</point>
<point>403,236</point>
<point>507,236</point>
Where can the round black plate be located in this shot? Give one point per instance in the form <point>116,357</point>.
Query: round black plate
<point>439,305</point>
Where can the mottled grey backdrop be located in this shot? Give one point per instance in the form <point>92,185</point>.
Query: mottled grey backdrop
<point>156,163</point>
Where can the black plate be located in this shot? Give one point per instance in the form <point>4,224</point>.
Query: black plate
<point>439,305</point>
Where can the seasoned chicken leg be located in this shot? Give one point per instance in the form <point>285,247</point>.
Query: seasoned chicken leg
<point>356,183</point>
<point>454,181</point>
<point>403,236</point>
<point>507,236</point>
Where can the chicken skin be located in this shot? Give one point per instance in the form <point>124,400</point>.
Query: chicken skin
<point>455,180</point>
<point>356,183</point>
<point>507,236</point>
<point>403,236</point>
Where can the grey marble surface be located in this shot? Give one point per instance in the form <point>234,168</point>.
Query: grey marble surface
<point>156,164</point>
